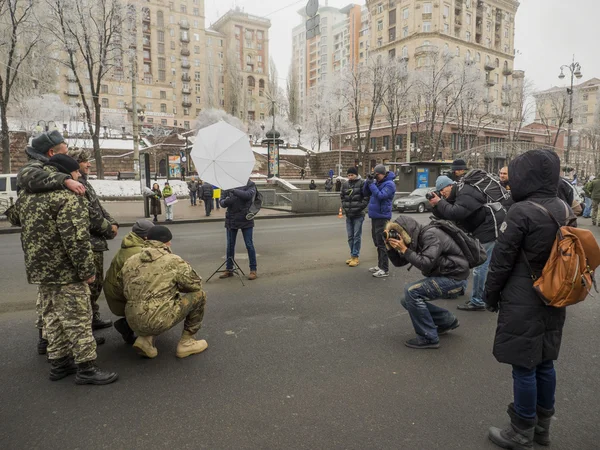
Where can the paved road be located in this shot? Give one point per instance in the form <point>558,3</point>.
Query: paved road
<point>310,356</point>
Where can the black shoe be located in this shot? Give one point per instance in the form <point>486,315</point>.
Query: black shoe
<point>517,436</point>
<point>90,373</point>
<point>421,344</point>
<point>453,326</point>
<point>470,307</point>
<point>127,333</point>
<point>98,323</point>
<point>61,368</point>
<point>99,340</point>
<point>42,345</point>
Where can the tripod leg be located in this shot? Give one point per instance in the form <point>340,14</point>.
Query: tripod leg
<point>237,269</point>
<point>217,271</point>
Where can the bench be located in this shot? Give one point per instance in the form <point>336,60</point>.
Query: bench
<point>125,175</point>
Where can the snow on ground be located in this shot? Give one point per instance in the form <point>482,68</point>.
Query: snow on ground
<point>131,188</point>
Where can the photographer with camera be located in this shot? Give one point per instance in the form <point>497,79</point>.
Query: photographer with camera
<point>446,269</point>
<point>468,207</point>
<point>381,188</point>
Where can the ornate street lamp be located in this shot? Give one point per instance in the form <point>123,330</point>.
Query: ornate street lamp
<point>575,69</point>
<point>299,130</point>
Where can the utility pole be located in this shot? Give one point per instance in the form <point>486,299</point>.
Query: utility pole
<point>134,112</point>
<point>408,130</point>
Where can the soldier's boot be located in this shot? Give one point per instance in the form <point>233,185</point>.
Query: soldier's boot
<point>517,436</point>
<point>125,330</point>
<point>542,428</point>
<point>98,323</point>
<point>189,346</point>
<point>90,373</point>
<point>99,340</point>
<point>42,344</point>
<point>144,346</point>
<point>61,368</point>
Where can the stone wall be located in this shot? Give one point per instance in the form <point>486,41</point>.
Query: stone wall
<point>18,158</point>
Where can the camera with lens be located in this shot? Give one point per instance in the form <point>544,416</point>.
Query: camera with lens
<point>371,177</point>
<point>391,234</point>
<point>432,194</point>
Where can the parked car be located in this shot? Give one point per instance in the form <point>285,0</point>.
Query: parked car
<point>8,191</point>
<point>416,201</point>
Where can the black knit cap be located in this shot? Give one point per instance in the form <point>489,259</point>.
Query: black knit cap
<point>352,170</point>
<point>46,141</point>
<point>64,163</point>
<point>160,233</point>
<point>459,164</point>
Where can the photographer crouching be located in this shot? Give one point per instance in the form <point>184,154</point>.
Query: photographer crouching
<point>468,208</point>
<point>445,268</point>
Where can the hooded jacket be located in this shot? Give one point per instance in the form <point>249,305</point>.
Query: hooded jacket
<point>465,207</point>
<point>354,201</point>
<point>382,195</point>
<point>131,245</point>
<point>238,202</point>
<point>528,331</point>
<point>431,251</point>
<point>153,281</point>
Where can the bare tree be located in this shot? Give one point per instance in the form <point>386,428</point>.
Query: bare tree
<point>519,109</point>
<point>234,83</point>
<point>396,100</point>
<point>352,89</point>
<point>552,108</point>
<point>293,95</point>
<point>591,136</point>
<point>376,89</point>
<point>89,34</point>
<point>48,107</point>
<point>18,38</point>
<point>209,117</point>
<point>318,117</point>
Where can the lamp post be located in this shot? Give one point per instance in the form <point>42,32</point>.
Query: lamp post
<point>575,69</point>
<point>299,130</point>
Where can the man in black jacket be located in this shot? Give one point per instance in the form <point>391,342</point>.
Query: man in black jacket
<point>238,202</point>
<point>446,269</point>
<point>467,207</point>
<point>458,170</point>
<point>354,203</point>
<point>207,196</point>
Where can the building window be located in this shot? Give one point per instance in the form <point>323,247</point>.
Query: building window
<point>172,45</point>
<point>105,103</point>
<point>163,95</point>
<point>392,18</point>
<point>379,42</point>
<point>446,11</point>
<point>162,75</point>
<point>392,34</point>
<point>457,51</point>
<point>427,8</point>
<point>426,27</point>
<point>468,19</point>
<point>120,104</point>
<point>197,100</point>
<point>405,13</point>
<point>405,32</point>
<point>148,93</point>
<point>160,19</point>
<point>196,49</point>
<point>586,97</point>
<point>104,89</point>
<point>506,32</point>
<point>405,52</point>
<point>163,107</point>
<point>183,9</point>
<point>259,35</point>
<point>379,8</point>
<point>478,58</point>
<point>198,88</point>
<point>379,25</point>
<point>196,12</point>
<point>468,36</point>
<point>120,90</point>
<point>196,76</point>
<point>446,28</point>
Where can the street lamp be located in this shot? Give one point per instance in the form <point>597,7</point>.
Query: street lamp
<point>299,130</point>
<point>575,69</point>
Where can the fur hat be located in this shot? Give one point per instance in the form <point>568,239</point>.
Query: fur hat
<point>79,154</point>
<point>401,231</point>
<point>45,141</point>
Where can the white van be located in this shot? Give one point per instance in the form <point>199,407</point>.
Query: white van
<point>8,190</point>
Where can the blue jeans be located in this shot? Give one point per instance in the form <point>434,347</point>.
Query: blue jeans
<point>193,197</point>
<point>587,212</point>
<point>426,317</point>
<point>533,387</point>
<point>480,275</point>
<point>354,229</point>
<point>231,238</point>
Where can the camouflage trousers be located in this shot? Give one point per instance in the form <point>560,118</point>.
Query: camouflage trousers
<point>67,318</point>
<point>96,286</point>
<point>154,317</point>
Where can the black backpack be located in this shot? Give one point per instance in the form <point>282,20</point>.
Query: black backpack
<point>485,183</point>
<point>254,209</point>
<point>469,246</point>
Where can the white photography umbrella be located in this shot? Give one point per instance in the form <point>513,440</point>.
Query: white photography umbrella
<point>222,156</point>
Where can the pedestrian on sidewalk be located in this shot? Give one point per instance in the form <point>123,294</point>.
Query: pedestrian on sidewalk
<point>238,202</point>
<point>167,192</point>
<point>328,185</point>
<point>312,186</point>
<point>155,201</point>
<point>529,333</point>
<point>380,187</point>
<point>216,197</point>
<point>192,188</point>
<point>162,290</point>
<point>354,204</point>
<point>55,237</point>
<point>338,184</point>
<point>182,173</point>
<point>589,201</point>
<point>199,191</point>
<point>207,195</point>
<point>445,268</point>
<point>302,174</point>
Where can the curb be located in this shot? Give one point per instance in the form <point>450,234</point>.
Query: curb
<point>15,230</point>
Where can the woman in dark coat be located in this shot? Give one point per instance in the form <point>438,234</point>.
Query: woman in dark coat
<point>529,333</point>
<point>155,201</point>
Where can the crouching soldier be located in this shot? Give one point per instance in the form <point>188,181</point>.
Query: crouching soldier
<point>58,256</point>
<point>161,290</point>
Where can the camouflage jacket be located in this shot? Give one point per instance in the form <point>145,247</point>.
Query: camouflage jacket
<point>55,237</point>
<point>33,178</point>
<point>155,276</point>
<point>102,220</point>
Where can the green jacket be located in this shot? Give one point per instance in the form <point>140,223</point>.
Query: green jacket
<point>167,191</point>
<point>113,290</point>
<point>55,237</point>
<point>102,220</point>
<point>594,189</point>
<point>152,282</point>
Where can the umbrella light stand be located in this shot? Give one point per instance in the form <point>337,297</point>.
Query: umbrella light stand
<point>236,270</point>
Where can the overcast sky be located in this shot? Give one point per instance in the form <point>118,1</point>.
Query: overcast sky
<point>548,33</point>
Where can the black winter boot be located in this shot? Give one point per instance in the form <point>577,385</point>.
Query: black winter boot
<point>127,333</point>
<point>542,429</point>
<point>61,368</point>
<point>90,373</point>
<point>98,323</point>
<point>517,436</point>
<point>42,345</point>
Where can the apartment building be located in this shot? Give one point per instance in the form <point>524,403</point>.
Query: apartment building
<point>243,63</point>
<point>168,40</point>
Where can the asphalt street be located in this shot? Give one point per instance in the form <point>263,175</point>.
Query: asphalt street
<point>309,356</point>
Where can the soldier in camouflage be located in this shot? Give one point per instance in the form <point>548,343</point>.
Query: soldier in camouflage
<point>58,256</point>
<point>99,245</point>
<point>162,290</point>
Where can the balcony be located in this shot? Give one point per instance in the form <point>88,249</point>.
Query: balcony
<point>184,24</point>
<point>185,52</point>
<point>505,102</point>
<point>185,65</point>
<point>458,7</point>
<point>506,87</point>
<point>184,38</point>
<point>425,49</point>
<point>146,16</point>
<point>187,104</point>
<point>71,77</point>
<point>72,93</point>
<point>186,90</point>
<point>147,43</point>
<point>480,9</point>
<point>186,78</point>
<point>489,66</point>
<point>490,82</point>
<point>507,71</point>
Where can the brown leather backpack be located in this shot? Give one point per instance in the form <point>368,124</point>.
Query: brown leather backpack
<point>568,275</point>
